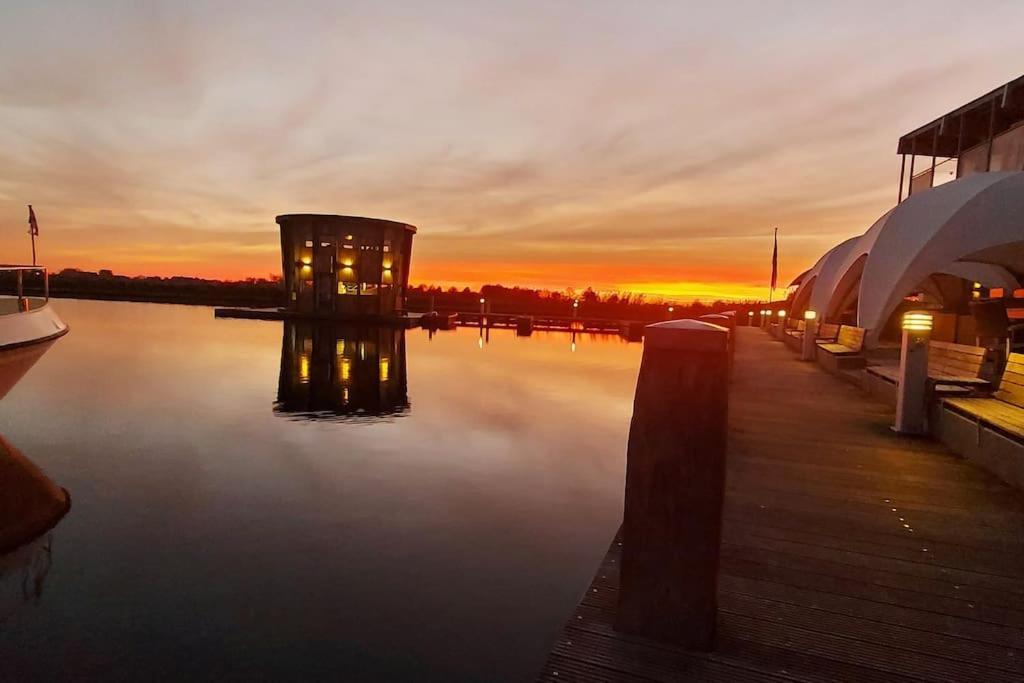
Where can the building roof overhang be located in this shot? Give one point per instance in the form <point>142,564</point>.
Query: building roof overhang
<point>962,128</point>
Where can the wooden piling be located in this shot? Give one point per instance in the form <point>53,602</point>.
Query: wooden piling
<point>675,480</point>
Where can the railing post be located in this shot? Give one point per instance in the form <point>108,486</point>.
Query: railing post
<point>21,290</point>
<point>46,284</point>
<point>675,482</point>
<point>911,394</point>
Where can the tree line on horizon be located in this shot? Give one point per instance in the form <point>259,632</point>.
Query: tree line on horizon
<point>269,291</point>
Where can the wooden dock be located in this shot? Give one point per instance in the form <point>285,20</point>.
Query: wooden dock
<point>849,553</point>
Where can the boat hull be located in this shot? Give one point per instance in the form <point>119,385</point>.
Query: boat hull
<point>24,338</point>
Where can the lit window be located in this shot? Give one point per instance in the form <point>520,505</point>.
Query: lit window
<point>385,368</point>
<point>325,244</point>
<point>347,246</point>
<point>309,243</point>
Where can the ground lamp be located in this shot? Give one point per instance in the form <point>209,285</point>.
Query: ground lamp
<point>810,334</point>
<point>780,329</point>
<point>913,378</point>
<point>482,302</point>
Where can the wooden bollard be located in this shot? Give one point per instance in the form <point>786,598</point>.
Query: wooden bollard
<point>675,483</point>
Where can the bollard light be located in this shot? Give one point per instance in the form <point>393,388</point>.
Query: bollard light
<point>750,314</point>
<point>912,390</point>
<point>808,349</point>
<point>917,321</point>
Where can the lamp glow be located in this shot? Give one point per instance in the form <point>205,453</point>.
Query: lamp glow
<point>482,300</point>
<point>917,321</point>
<point>782,314</point>
<point>750,314</point>
<point>810,315</point>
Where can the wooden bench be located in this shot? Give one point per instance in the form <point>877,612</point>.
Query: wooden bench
<point>845,352</point>
<point>953,369</point>
<point>828,331</point>
<point>794,334</point>
<point>990,431</point>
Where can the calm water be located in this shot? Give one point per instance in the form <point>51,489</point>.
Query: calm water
<point>255,500</point>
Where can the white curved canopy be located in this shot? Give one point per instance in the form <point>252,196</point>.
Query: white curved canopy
<point>932,231</point>
<point>972,228</point>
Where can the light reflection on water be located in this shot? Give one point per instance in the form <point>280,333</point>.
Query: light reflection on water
<point>438,522</point>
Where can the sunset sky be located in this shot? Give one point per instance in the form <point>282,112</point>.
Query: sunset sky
<point>649,146</point>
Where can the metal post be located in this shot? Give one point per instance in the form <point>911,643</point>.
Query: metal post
<point>935,146</point>
<point>991,134</point>
<point>903,169</point>
<point>960,142</point>
<point>46,284</point>
<point>913,155</point>
<point>911,396</point>
<point>675,485</point>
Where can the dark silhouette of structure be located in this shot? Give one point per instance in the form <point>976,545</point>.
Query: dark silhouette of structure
<point>332,371</point>
<point>345,264</point>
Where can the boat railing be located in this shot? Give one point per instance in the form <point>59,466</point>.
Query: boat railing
<point>20,271</point>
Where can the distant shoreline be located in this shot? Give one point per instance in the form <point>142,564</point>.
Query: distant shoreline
<point>264,293</point>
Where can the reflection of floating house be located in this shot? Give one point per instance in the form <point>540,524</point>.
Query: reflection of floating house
<point>343,371</point>
<point>959,221</point>
<point>345,264</point>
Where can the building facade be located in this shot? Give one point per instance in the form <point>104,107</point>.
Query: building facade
<point>986,134</point>
<point>345,264</point>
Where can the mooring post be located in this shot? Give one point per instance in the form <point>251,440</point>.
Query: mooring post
<point>911,394</point>
<point>675,482</point>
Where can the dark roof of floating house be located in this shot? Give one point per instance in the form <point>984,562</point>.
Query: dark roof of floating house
<point>966,126</point>
<point>351,220</point>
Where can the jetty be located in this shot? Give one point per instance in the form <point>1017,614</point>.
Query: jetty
<point>848,551</point>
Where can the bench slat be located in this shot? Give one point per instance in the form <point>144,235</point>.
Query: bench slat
<point>1008,418</point>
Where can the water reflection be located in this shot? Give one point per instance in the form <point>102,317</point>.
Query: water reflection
<point>23,573</point>
<point>341,372</point>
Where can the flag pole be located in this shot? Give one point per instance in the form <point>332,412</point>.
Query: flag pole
<point>33,230</point>
<point>775,266</point>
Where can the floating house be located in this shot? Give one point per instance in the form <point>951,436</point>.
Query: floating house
<point>345,265</point>
<point>955,235</point>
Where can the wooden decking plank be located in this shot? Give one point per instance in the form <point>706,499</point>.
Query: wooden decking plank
<point>928,588</point>
<point>819,578</point>
<point>875,611</point>
<point>947,647</point>
<point>962,565</point>
<point>736,565</point>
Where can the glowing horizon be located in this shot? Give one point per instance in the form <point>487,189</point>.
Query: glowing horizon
<point>536,144</point>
